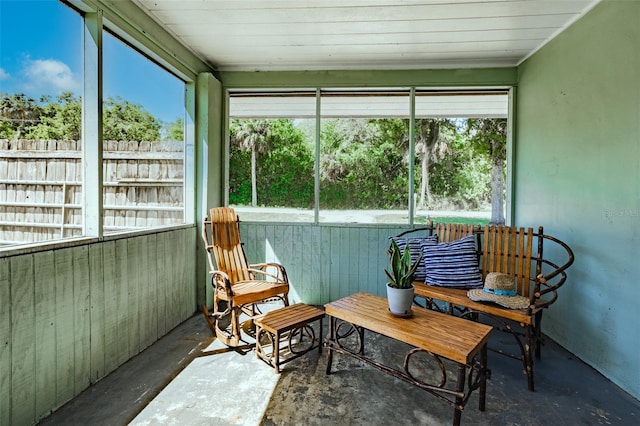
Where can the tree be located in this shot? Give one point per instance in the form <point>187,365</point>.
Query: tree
<point>174,131</point>
<point>124,121</point>
<point>429,146</point>
<point>286,172</point>
<point>363,163</point>
<point>18,113</point>
<point>253,136</point>
<point>490,135</point>
<point>23,117</point>
<point>60,120</point>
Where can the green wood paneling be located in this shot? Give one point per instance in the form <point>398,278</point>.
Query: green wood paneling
<point>45,327</point>
<point>70,316</point>
<point>147,333</point>
<point>150,279</point>
<point>324,262</point>
<point>189,274</point>
<point>134,254</point>
<point>121,302</point>
<point>111,308</point>
<point>98,314</point>
<point>162,280</point>
<point>5,344</point>
<point>23,351</point>
<point>82,318</point>
<point>65,331</point>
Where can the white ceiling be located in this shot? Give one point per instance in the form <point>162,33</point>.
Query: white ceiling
<point>249,35</point>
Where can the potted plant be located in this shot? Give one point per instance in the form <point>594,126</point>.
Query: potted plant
<point>400,285</point>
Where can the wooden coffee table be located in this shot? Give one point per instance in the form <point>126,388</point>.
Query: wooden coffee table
<point>437,334</point>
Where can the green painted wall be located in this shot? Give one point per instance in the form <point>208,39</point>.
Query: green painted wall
<point>323,262</point>
<point>71,315</point>
<point>577,172</point>
<point>209,169</point>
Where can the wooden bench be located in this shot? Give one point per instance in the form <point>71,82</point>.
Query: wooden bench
<point>272,326</point>
<point>517,252</point>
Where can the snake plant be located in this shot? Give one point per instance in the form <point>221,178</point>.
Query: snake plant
<point>402,269</point>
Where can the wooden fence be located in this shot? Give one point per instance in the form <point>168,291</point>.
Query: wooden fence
<point>41,187</point>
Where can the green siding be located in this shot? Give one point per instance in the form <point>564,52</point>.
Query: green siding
<point>71,315</point>
<point>323,262</point>
<point>578,174</point>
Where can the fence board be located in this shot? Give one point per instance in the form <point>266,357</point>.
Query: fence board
<point>136,176</point>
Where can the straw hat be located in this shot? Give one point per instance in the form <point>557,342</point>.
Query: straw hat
<point>501,289</point>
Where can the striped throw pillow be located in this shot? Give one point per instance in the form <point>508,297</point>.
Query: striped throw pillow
<point>415,245</point>
<point>453,264</point>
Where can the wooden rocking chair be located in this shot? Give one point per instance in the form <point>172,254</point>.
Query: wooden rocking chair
<point>237,286</point>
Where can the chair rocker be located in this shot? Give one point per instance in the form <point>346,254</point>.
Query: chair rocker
<point>238,287</point>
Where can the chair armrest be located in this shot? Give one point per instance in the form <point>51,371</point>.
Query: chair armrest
<point>220,281</point>
<point>265,275</point>
<point>280,274</point>
<point>552,281</point>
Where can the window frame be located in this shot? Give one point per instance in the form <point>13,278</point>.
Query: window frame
<point>414,91</point>
<point>94,24</point>
<point>118,38</point>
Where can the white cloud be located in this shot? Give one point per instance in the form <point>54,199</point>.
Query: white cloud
<point>48,76</point>
<point>3,74</point>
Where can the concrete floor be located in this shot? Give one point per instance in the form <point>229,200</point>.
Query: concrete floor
<point>187,378</point>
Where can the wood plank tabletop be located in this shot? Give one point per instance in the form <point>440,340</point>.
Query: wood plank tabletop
<point>444,335</point>
<point>289,317</point>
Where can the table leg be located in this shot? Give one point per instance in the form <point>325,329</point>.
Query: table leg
<point>330,340</point>
<point>484,372</point>
<point>457,413</point>
<point>361,334</point>
<point>276,348</point>
<point>320,337</point>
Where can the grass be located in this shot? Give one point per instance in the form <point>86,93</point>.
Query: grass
<point>454,219</point>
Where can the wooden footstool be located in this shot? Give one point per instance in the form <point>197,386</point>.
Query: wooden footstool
<point>292,322</point>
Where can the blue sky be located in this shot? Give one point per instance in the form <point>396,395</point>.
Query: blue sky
<point>41,51</point>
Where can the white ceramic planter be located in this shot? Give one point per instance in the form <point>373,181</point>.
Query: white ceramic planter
<point>400,301</point>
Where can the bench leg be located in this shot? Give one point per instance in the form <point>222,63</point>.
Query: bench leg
<point>528,356</point>
<point>538,333</point>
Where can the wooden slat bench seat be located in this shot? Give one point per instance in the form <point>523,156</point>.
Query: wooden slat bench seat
<point>517,252</point>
